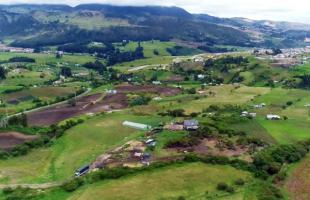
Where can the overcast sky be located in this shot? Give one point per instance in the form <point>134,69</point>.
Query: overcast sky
<point>281,10</point>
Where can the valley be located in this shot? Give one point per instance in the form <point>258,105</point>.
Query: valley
<point>155,103</point>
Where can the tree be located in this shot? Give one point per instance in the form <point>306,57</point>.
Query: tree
<point>2,73</point>
<point>66,71</point>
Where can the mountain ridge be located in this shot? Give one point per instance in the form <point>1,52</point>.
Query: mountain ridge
<point>110,23</point>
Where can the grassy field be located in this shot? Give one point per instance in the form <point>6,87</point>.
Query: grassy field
<point>287,131</point>
<point>191,181</point>
<point>48,58</point>
<point>142,62</point>
<point>27,78</point>
<point>221,95</point>
<point>77,147</point>
<point>297,127</point>
<point>149,47</point>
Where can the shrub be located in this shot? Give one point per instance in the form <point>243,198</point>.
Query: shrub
<point>222,186</point>
<point>230,189</point>
<point>73,184</point>
<point>239,181</point>
<point>142,100</point>
<point>289,103</point>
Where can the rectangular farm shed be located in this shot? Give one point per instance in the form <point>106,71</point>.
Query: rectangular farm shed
<point>138,126</point>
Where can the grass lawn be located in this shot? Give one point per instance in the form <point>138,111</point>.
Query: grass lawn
<point>287,131</point>
<point>189,180</point>
<point>27,78</point>
<point>149,47</point>
<point>141,62</point>
<point>226,94</point>
<point>79,146</point>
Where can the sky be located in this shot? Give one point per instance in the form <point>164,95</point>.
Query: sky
<point>280,10</point>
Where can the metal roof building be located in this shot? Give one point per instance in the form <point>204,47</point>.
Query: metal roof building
<point>138,126</point>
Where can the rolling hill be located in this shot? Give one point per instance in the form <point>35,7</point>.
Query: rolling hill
<point>45,25</point>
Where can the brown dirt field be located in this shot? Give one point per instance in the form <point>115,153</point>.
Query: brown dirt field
<point>175,78</point>
<point>208,146</point>
<point>84,105</point>
<point>160,90</point>
<point>8,140</point>
<point>298,183</point>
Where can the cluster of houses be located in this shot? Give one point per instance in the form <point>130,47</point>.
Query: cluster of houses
<point>259,106</point>
<point>189,125</point>
<point>111,91</point>
<point>4,48</point>
<point>248,114</point>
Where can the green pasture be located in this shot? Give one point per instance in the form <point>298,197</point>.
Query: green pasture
<point>192,181</point>
<point>42,59</point>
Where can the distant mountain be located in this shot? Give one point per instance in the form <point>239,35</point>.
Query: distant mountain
<point>44,25</point>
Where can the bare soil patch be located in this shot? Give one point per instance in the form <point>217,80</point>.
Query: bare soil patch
<point>299,181</point>
<point>9,140</point>
<point>95,104</point>
<point>175,78</point>
<point>211,146</point>
<point>87,104</point>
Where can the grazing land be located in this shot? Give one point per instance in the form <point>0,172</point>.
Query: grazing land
<point>192,181</point>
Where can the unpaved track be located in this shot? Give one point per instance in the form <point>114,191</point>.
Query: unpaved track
<point>31,186</point>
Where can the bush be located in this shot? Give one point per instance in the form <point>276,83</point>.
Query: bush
<point>22,59</point>
<point>142,100</point>
<point>230,189</point>
<point>239,182</point>
<point>73,184</point>
<point>222,186</point>
<point>191,91</point>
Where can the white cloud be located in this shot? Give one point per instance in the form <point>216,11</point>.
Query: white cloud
<point>288,10</point>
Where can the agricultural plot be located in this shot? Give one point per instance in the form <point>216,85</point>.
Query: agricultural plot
<point>8,140</point>
<point>27,98</point>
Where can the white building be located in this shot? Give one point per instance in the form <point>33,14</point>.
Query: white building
<point>138,126</point>
<point>273,117</point>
